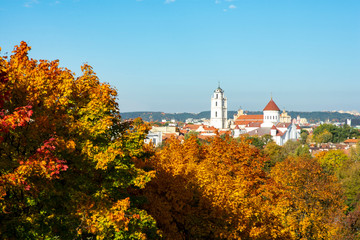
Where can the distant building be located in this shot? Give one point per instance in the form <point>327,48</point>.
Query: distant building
<point>165,129</point>
<point>284,117</point>
<point>268,123</point>
<point>353,123</point>
<point>218,118</point>
<point>154,137</point>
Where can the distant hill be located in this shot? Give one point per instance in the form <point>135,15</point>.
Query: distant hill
<point>310,116</point>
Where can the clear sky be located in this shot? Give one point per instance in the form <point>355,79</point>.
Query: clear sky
<point>169,55</point>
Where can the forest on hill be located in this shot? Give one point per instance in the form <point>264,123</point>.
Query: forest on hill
<point>310,116</point>
<point>71,168</point>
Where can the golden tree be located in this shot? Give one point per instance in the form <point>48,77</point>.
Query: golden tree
<point>215,190</point>
<point>312,204</point>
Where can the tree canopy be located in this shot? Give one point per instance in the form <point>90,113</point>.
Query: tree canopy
<point>331,133</point>
<point>67,160</point>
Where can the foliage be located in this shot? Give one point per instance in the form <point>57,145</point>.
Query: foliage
<point>67,161</point>
<point>190,134</point>
<point>303,150</point>
<point>349,175</point>
<point>275,153</point>
<point>304,136</point>
<point>355,153</point>
<point>312,204</point>
<point>212,191</point>
<point>258,141</point>
<point>331,133</point>
<point>332,160</point>
<point>324,137</point>
<point>348,171</point>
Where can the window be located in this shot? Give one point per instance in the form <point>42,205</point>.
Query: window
<point>215,114</point>
<point>215,103</point>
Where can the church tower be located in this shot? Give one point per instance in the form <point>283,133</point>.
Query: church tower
<point>218,117</point>
<point>271,114</point>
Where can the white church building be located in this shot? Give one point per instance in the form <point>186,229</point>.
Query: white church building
<point>268,123</point>
<point>281,132</point>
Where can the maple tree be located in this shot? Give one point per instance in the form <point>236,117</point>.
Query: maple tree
<point>67,165</point>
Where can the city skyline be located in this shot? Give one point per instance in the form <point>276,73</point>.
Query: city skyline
<point>169,55</point>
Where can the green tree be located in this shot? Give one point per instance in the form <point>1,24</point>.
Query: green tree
<point>303,136</point>
<point>331,133</point>
<point>290,147</point>
<point>275,153</point>
<point>324,137</point>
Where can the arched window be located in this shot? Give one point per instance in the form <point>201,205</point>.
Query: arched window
<point>215,114</point>
<point>215,103</point>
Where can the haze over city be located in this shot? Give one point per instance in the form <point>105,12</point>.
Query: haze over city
<point>170,55</point>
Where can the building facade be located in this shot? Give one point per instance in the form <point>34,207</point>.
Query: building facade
<point>218,116</point>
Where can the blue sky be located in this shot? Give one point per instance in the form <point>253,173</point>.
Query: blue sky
<point>169,55</point>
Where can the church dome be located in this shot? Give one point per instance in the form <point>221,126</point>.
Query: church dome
<point>271,106</point>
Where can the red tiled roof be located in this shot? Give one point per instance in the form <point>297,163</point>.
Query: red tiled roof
<point>246,119</point>
<point>209,128</point>
<point>352,141</point>
<point>271,106</point>
<point>191,126</point>
<point>254,124</point>
<point>244,123</point>
<point>168,135</point>
<point>250,118</point>
<point>273,127</point>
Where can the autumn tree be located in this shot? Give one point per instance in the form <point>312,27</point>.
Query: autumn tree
<point>349,176</point>
<point>332,161</point>
<point>212,191</point>
<point>347,169</point>
<point>275,153</point>
<point>312,201</point>
<point>67,167</point>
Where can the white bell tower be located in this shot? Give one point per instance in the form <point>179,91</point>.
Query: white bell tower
<point>218,117</point>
